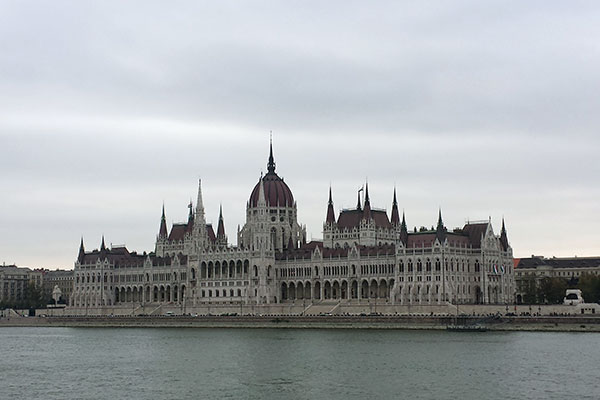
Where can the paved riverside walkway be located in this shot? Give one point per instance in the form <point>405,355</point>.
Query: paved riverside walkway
<point>491,323</point>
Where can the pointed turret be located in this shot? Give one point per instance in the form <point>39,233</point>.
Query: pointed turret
<point>199,218</point>
<point>162,232</point>
<point>503,237</point>
<point>358,206</point>
<point>367,209</point>
<point>200,204</point>
<point>271,163</point>
<point>403,230</point>
<point>395,217</point>
<point>440,232</point>
<point>200,233</point>
<point>190,224</point>
<point>81,254</point>
<point>102,245</point>
<point>290,245</point>
<point>262,200</point>
<point>221,226</point>
<point>330,212</point>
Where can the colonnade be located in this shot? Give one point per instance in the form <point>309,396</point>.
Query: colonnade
<point>160,293</point>
<point>337,289</point>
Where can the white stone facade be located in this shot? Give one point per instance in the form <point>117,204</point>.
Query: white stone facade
<point>364,257</point>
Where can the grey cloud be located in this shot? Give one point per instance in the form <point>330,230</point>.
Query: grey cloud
<point>108,109</point>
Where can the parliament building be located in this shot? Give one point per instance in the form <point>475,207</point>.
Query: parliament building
<point>366,255</point>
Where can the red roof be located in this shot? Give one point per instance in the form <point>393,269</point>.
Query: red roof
<point>277,192</point>
<point>119,256</point>
<point>421,239</point>
<point>210,232</point>
<point>474,232</point>
<point>177,232</point>
<point>351,219</point>
<point>306,251</point>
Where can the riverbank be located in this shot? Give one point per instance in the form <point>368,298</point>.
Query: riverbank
<point>492,323</point>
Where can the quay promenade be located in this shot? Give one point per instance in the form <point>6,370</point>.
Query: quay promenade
<point>414,322</point>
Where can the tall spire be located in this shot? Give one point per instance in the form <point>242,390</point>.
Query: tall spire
<point>403,230</point>
<point>81,251</point>
<point>395,216</point>
<point>330,211</point>
<point>162,232</point>
<point>440,232</point>
<point>221,227</point>
<point>367,210</point>
<point>271,163</point>
<point>503,237</point>
<point>262,200</point>
<point>199,230</point>
<point>102,245</point>
<point>200,219</point>
<point>200,205</point>
<point>190,224</point>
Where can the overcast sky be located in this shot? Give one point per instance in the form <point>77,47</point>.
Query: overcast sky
<point>485,109</point>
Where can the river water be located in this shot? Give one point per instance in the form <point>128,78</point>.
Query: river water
<point>195,363</point>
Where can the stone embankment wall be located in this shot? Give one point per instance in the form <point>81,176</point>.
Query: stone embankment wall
<point>547,323</point>
<point>326,308</point>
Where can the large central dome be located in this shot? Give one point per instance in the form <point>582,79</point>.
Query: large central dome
<point>277,192</point>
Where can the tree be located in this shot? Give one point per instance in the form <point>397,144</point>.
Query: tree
<point>529,290</point>
<point>34,297</point>
<point>552,290</point>
<point>590,288</point>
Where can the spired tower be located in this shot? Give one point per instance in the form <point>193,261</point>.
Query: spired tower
<point>271,227</point>
<point>271,215</point>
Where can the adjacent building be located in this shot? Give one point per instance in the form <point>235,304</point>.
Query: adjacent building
<point>366,255</point>
<point>530,271</point>
<point>61,278</point>
<point>14,282</point>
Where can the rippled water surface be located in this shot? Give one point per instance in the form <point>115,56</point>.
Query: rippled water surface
<point>96,363</point>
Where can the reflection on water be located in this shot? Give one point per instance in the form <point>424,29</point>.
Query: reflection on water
<point>96,363</point>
